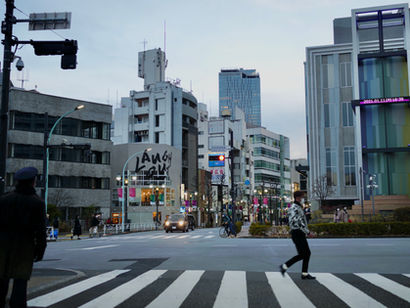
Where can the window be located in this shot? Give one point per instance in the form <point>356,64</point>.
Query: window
<point>200,156</point>
<point>331,174</point>
<point>327,72</point>
<point>350,169</point>
<point>157,121</point>
<point>157,137</point>
<point>345,74</point>
<point>106,131</point>
<point>200,146</point>
<point>156,105</point>
<point>326,114</point>
<point>347,114</point>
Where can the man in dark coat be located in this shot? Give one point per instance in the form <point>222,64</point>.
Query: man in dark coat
<point>22,236</point>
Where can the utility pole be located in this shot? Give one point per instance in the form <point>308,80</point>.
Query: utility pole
<point>8,57</point>
<point>46,131</point>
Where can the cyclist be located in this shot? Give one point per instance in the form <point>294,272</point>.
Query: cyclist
<point>229,227</point>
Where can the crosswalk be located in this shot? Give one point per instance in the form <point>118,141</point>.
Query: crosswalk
<point>192,236</point>
<point>199,288</point>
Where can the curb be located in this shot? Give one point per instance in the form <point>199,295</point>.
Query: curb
<point>77,274</point>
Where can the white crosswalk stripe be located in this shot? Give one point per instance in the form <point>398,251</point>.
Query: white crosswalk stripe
<point>175,294</point>
<point>71,290</point>
<point>124,291</point>
<point>346,292</point>
<point>231,292</point>
<point>387,284</point>
<point>286,291</point>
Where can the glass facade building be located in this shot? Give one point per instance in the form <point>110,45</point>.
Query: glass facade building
<point>240,88</point>
<point>357,104</point>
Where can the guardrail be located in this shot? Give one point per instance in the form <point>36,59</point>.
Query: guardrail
<point>130,227</point>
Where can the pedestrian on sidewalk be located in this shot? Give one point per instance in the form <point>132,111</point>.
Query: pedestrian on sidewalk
<point>22,236</point>
<point>344,215</point>
<point>77,228</point>
<point>56,225</point>
<point>298,230</point>
<point>336,216</point>
<point>94,225</point>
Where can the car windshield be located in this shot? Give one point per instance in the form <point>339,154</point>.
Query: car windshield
<point>176,217</point>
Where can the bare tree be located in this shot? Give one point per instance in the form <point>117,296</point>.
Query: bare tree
<point>322,189</point>
<point>61,198</point>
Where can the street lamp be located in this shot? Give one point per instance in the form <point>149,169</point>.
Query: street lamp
<point>79,107</point>
<point>372,186</point>
<point>123,185</point>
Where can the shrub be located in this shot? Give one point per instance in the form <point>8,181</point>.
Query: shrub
<point>402,214</point>
<point>357,229</point>
<point>259,229</point>
<point>238,226</point>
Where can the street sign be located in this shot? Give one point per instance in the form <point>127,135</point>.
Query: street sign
<point>49,21</point>
<point>247,182</point>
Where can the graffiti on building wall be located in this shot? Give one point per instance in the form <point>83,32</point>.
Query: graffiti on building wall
<point>154,163</point>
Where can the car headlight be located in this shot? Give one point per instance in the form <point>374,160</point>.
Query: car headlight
<point>181,223</point>
<point>167,223</point>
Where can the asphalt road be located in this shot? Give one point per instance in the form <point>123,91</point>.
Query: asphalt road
<point>202,270</point>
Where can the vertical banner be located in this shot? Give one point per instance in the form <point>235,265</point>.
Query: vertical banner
<point>255,200</point>
<point>119,191</point>
<point>265,201</point>
<point>132,194</point>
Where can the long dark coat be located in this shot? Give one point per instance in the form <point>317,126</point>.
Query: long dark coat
<point>77,227</point>
<point>22,233</point>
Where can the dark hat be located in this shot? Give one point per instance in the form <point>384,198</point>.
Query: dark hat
<point>26,173</point>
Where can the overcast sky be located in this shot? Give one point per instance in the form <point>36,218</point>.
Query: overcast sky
<point>202,36</point>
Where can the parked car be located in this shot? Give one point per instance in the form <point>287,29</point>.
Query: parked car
<point>191,222</point>
<point>176,222</point>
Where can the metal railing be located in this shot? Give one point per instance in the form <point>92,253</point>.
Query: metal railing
<point>130,227</point>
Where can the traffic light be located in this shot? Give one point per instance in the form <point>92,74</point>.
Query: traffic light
<point>216,160</point>
<point>68,50</point>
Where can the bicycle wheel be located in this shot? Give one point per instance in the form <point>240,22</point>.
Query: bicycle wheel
<point>222,232</point>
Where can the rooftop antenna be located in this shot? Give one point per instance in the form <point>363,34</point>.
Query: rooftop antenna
<point>144,42</point>
<point>165,36</point>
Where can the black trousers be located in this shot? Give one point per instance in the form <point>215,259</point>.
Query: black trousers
<point>302,246</point>
<point>18,297</point>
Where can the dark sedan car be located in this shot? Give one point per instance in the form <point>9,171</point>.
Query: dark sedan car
<point>176,222</point>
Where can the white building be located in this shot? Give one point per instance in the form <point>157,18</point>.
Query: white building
<point>217,136</point>
<point>271,154</point>
<point>162,113</point>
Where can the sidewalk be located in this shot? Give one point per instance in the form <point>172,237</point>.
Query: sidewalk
<point>45,278</point>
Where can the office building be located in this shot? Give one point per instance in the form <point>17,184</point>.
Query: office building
<point>271,154</point>
<point>358,107</point>
<point>78,178</point>
<point>240,88</point>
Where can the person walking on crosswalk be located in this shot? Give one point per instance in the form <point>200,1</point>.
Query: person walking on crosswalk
<point>298,230</point>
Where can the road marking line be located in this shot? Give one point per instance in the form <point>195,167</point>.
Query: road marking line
<point>233,291</point>
<point>197,236</point>
<point>176,293</point>
<point>387,284</point>
<point>286,291</point>
<point>123,292</point>
<point>182,236</point>
<point>74,289</point>
<point>346,292</point>
<point>98,247</point>
<point>209,236</point>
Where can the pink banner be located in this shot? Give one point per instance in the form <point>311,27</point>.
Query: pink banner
<point>265,200</point>
<point>132,192</point>
<point>255,200</point>
<point>119,191</point>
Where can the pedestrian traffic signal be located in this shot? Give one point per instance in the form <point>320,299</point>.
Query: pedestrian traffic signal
<point>216,160</point>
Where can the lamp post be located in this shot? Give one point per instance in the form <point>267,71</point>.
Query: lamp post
<point>123,185</point>
<point>372,186</point>
<point>79,107</point>
<point>156,205</point>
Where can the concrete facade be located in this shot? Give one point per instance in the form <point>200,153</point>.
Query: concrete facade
<point>75,180</point>
<point>159,168</point>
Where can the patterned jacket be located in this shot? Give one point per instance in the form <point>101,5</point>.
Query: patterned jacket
<point>297,218</point>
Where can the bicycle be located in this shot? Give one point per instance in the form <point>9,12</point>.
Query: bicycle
<point>223,232</point>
